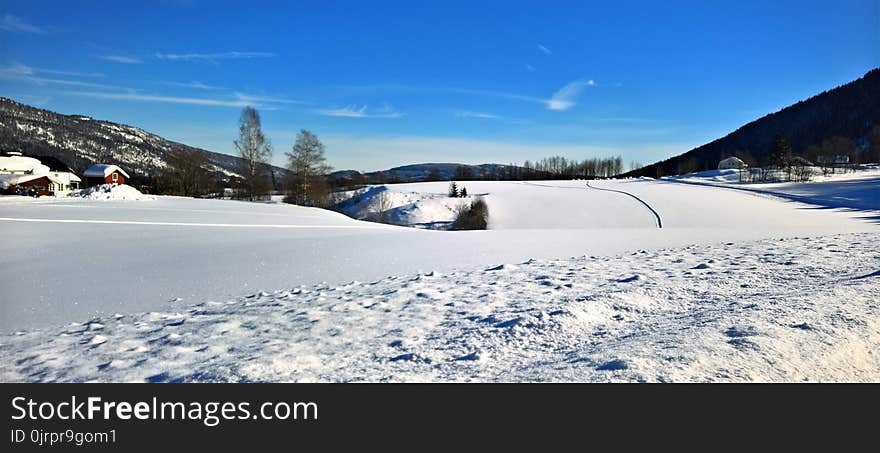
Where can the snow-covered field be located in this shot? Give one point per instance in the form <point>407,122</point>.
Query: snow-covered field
<point>771,310</point>
<point>158,289</point>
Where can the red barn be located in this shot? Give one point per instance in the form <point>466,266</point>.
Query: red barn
<point>104,174</point>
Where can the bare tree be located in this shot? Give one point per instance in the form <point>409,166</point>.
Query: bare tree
<point>383,204</point>
<point>186,173</point>
<point>308,167</point>
<point>256,151</point>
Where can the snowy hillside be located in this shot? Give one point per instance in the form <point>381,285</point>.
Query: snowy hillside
<point>856,190</point>
<point>803,309</point>
<point>80,141</point>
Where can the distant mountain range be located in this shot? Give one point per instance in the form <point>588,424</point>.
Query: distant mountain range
<point>851,110</point>
<point>80,141</point>
<point>427,172</point>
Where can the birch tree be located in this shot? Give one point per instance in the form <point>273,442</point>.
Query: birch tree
<point>308,168</point>
<point>256,151</point>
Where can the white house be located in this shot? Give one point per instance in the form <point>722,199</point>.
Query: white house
<point>732,163</point>
<point>66,179</point>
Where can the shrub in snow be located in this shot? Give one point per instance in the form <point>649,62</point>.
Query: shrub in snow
<point>473,216</point>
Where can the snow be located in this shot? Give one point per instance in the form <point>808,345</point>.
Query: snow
<point>111,192</point>
<point>21,164</point>
<point>799,309</point>
<point>570,283</point>
<point>855,190</point>
<point>414,208</point>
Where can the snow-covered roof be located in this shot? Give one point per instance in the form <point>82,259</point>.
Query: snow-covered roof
<point>731,162</point>
<point>11,180</point>
<point>20,164</point>
<point>102,170</point>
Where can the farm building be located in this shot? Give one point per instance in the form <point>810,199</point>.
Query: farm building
<point>104,174</point>
<point>731,163</point>
<point>44,174</point>
<point>28,184</point>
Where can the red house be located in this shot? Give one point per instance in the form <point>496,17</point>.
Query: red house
<point>104,174</point>
<point>28,184</point>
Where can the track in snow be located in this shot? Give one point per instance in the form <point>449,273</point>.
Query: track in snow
<point>657,218</point>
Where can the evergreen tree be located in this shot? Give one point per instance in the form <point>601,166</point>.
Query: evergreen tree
<point>453,190</point>
<point>780,153</point>
<point>463,192</point>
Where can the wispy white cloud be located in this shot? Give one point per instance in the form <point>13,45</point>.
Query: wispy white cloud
<point>498,94</point>
<point>25,70</point>
<point>121,59</point>
<point>562,99</point>
<point>565,97</point>
<point>353,111</point>
<point>530,68</point>
<point>68,73</point>
<point>259,99</point>
<point>16,24</point>
<point>213,57</point>
<point>28,74</point>
<point>478,115</point>
<point>545,50</point>
<point>164,99</point>
<point>195,84</point>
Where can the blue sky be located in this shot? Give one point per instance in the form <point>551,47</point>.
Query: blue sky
<point>390,83</point>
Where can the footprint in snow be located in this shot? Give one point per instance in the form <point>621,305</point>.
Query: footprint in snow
<point>613,365</point>
<point>630,279</point>
<point>469,357</point>
<point>701,266</point>
<point>740,332</point>
<point>409,357</point>
<point>509,323</point>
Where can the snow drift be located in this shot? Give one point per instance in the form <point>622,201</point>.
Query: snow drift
<point>111,192</point>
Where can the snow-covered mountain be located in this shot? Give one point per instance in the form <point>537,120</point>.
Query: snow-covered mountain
<point>80,141</point>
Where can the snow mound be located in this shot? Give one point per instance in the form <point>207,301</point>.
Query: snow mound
<point>111,192</point>
<point>399,207</point>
